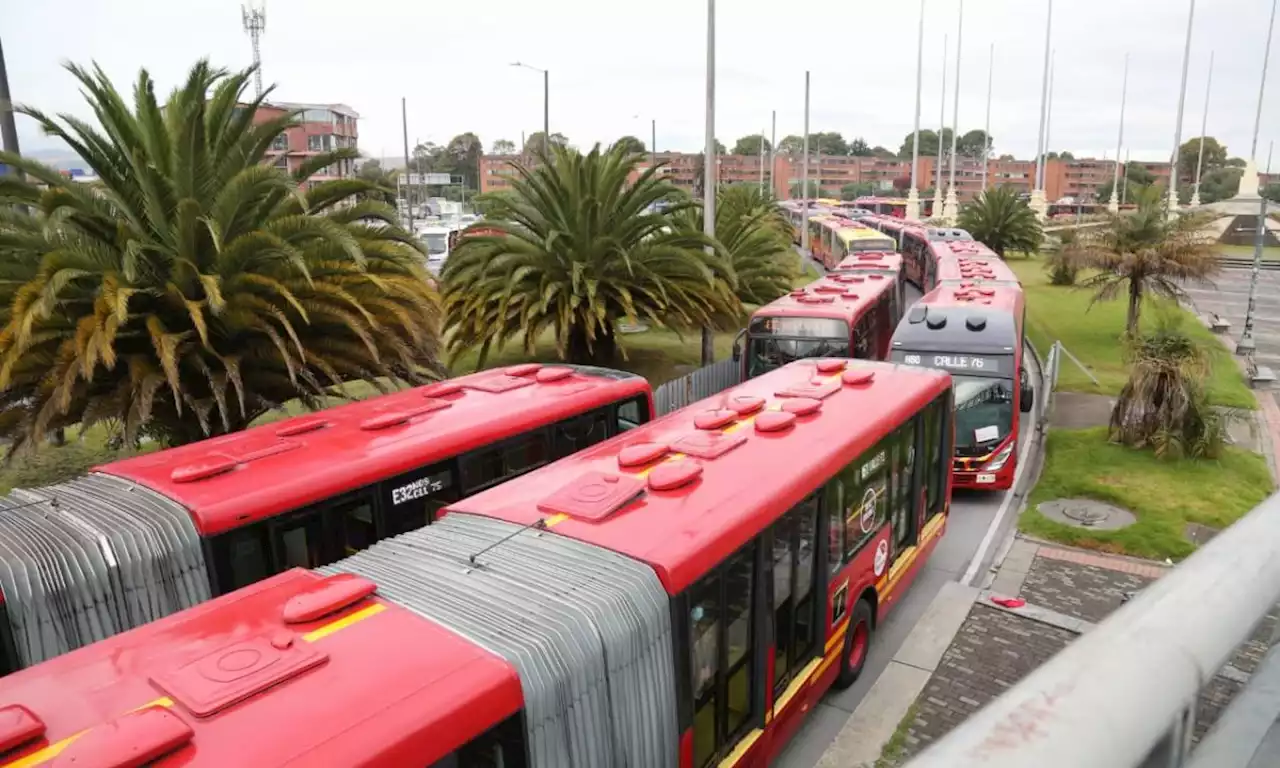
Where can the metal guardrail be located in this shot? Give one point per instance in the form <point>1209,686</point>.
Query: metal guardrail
<point>1246,262</point>
<point>1125,694</point>
<point>696,385</point>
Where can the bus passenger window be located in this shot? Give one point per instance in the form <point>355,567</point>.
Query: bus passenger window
<point>783,576</point>
<point>239,558</point>
<point>356,519</point>
<point>411,500</point>
<point>704,645</point>
<point>835,527</point>
<point>502,746</point>
<point>632,414</point>
<point>739,600</point>
<point>572,435</point>
<point>866,496</point>
<point>490,466</point>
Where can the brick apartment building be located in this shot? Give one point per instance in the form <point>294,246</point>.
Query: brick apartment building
<point>321,128</point>
<point>1079,179</point>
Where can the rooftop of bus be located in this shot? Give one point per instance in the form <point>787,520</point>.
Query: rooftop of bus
<point>987,271</point>
<point>681,529</point>
<point>232,480</point>
<point>970,318</point>
<point>854,231</point>
<point>841,297</point>
<point>308,687</point>
<point>870,261</point>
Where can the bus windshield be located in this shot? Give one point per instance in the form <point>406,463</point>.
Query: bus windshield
<point>436,243</point>
<point>871,244</point>
<point>776,341</point>
<point>984,413</point>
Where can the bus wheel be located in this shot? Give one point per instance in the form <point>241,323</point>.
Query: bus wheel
<point>857,643</point>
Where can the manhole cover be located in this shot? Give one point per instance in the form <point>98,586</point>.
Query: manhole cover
<point>1087,513</point>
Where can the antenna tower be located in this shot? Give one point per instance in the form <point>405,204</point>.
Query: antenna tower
<point>255,23</point>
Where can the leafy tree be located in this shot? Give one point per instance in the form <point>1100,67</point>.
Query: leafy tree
<point>720,148</point>
<point>1219,184</point>
<point>1144,253</point>
<point>974,144</point>
<point>829,143</point>
<point>1006,158</point>
<point>1059,156</point>
<point>791,145</point>
<point>928,143</point>
<point>1215,156</point>
<point>631,145</point>
<point>1002,221</point>
<point>1138,176</point>
<point>859,148</point>
<point>198,286</point>
<point>854,191</point>
<point>797,190</point>
<point>881,152</point>
<point>1234,162</point>
<point>750,145</point>
<point>1271,192</point>
<point>1164,404</point>
<point>534,144</point>
<point>385,181</point>
<point>579,249</point>
<point>503,147</point>
<point>464,151</point>
<point>753,236</point>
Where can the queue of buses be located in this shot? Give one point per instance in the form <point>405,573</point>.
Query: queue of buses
<point>523,566</point>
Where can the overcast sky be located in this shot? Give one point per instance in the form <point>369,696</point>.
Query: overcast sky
<point>614,65</point>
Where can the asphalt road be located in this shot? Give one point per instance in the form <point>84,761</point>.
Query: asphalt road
<point>973,526</point>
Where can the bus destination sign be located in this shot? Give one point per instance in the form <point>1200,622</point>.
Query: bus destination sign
<point>977,365</point>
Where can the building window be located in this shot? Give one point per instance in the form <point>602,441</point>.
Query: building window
<point>317,116</point>
<point>280,143</point>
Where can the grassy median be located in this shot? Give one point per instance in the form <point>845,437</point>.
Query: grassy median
<point>1165,496</point>
<point>1092,334</point>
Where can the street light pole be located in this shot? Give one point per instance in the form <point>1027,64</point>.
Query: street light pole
<point>773,151</point>
<point>1038,203</point>
<point>949,208</point>
<point>8,129</point>
<point>913,196</point>
<point>942,127</point>
<point>1172,203</point>
<point>709,163</point>
<point>546,103</point>
<point>804,174</point>
<point>1113,205</point>
<point>986,132</point>
<point>1204,127</point>
<point>653,143</point>
<point>408,188</point>
<point>762,162</point>
<point>1246,344</point>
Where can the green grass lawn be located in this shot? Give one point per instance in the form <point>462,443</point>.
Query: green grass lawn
<point>1092,334</point>
<point>1270,253</point>
<point>1164,495</point>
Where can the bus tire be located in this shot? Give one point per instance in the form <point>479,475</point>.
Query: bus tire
<point>857,643</point>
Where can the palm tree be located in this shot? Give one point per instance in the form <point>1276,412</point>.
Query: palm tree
<point>998,219</point>
<point>581,247</point>
<point>1144,253</point>
<point>754,237</point>
<point>199,285</point>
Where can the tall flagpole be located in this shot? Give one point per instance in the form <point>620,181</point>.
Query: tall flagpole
<point>1172,202</point>
<point>942,127</point>
<point>1204,126</point>
<point>913,196</point>
<point>1113,204</point>
<point>951,207</point>
<point>804,174</point>
<point>1249,185</point>
<point>1038,203</point>
<point>986,131</point>
<point>709,164</point>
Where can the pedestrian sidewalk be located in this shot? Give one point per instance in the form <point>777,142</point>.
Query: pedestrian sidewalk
<point>1066,593</point>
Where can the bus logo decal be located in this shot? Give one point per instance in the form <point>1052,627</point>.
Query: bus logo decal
<point>882,556</point>
<point>867,519</point>
<point>416,490</point>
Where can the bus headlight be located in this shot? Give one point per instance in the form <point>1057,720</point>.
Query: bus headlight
<point>1001,458</point>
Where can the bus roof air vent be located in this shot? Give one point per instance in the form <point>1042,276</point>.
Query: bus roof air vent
<point>802,406</point>
<point>328,595</point>
<point>858,377</point>
<point>830,365</point>
<point>775,421</point>
<point>213,465</point>
<point>137,738</point>
<point>817,389</point>
<point>18,725</point>
<point>875,277</point>
<point>917,314</point>
<point>829,288</point>
<point>745,404</point>
<point>936,321</point>
<point>715,419</point>
<point>558,373</point>
<point>975,322</point>
<point>502,382</point>
<point>441,389</point>
<point>524,369</point>
<point>396,418</point>
<point>675,474</point>
<point>708,445</point>
<point>235,672</point>
<point>297,427</point>
<point>593,496</point>
<point>639,454</point>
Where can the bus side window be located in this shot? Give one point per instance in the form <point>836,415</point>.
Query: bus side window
<point>492,464</point>
<point>572,435</point>
<point>632,414</point>
<point>8,651</point>
<point>324,532</point>
<point>935,442</point>
<point>866,495</point>
<point>863,349</point>
<point>502,746</point>
<point>240,557</point>
<point>411,500</point>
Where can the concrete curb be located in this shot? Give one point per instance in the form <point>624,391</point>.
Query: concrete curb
<point>873,723</point>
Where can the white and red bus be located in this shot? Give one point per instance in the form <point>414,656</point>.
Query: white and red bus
<point>140,538</point>
<point>973,327</point>
<point>627,605</point>
<point>842,315</point>
<point>851,238</point>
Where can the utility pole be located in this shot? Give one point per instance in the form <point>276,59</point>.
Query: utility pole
<point>1038,203</point>
<point>773,150</point>
<point>653,142</point>
<point>942,127</point>
<point>1204,127</point>
<point>1113,205</point>
<point>8,129</point>
<point>408,187</point>
<point>1172,202</point>
<point>709,163</point>
<point>762,162</point>
<point>986,131</point>
<point>804,174</point>
<point>950,208</point>
<point>913,196</point>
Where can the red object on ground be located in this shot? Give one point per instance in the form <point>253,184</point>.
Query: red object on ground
<point>1009,602</point>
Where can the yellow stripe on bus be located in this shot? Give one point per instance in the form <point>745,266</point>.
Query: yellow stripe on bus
<point>53,750</point>
<point>740,751</point>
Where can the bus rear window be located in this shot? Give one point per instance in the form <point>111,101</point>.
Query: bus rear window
<point>805,327</point>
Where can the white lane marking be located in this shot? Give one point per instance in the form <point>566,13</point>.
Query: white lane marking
<point>971,573</point>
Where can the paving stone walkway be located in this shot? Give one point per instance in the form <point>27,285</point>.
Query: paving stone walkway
<point>1067,592</point>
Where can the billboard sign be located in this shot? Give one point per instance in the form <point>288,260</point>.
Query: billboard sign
<point>419,179</point>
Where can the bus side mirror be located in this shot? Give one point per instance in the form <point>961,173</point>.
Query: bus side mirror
<point>737,345</point>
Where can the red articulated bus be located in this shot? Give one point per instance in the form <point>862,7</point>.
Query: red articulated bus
<point>140,538</point>
<point>844,315</point>
<point>972,327</point>
<point>679,596</point>
<point>887,264</point>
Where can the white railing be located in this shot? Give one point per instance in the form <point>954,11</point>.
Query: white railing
<point>696,385</point>
<point>1125,694</point>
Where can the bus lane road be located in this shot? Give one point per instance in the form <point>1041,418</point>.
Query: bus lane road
<point>978,525</point>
